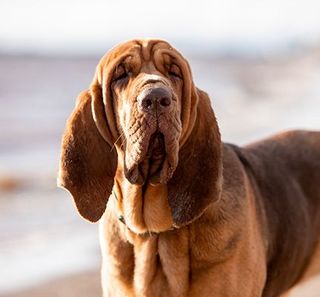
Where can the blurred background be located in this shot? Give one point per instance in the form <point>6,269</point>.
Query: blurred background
<point>258,60</point>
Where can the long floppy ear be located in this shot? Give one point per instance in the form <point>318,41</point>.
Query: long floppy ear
<point>87,164</point>
<point>197,180</point>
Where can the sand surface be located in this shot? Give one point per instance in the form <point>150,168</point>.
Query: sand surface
<point>85,284</point>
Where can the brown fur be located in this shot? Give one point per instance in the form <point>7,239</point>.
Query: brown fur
<point>208,219</point>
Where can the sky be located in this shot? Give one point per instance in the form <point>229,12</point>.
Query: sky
<point>88,26</point>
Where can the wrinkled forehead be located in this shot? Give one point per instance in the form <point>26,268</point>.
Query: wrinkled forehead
<point>139,53</point>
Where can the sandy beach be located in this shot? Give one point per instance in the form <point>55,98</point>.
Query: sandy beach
<point>46,249</point>
<point>80,285</point>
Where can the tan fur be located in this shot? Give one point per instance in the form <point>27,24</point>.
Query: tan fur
<point>200,217</point>
<point>156,210</point>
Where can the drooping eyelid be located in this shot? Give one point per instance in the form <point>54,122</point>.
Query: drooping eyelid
<point>122,73</point>
<point>175,69</point>
<point>119,76</point>
<point>131,63</point>
<point>124,63</point>
<point>119,66</point>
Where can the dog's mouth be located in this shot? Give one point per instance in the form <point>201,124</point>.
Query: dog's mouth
<point>151,163</point>
<point>156,154</point>
<point>156,147</point>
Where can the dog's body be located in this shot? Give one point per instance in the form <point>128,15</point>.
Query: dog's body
<point>194,217</point>
<point>260,240</point>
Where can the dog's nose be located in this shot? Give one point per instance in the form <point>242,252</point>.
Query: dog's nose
<point>155,99</point>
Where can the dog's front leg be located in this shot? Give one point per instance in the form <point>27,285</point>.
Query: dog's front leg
<point>117,259</point>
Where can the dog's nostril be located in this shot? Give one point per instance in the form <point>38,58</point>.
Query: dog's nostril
<point>147,103</point>
<point>165,101</point>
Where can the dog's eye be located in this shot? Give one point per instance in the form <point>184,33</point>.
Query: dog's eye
<point>120,74</point>
<point>174,71</point>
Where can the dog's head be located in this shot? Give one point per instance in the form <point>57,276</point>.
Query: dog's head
<point>142,85</point>
<point>139,112</point>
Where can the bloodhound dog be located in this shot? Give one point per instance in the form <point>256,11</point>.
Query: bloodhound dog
<point>181,213</point>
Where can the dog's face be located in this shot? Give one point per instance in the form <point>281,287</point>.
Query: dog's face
<point>144,85</point>
<point>146,94</point>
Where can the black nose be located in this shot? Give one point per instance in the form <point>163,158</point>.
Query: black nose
<point>155,99</point>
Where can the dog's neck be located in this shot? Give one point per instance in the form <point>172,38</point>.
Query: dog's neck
<point>143,209</point>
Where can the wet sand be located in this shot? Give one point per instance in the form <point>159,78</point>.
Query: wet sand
<point>81,285</point>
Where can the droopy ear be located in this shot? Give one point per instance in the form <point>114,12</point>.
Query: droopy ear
<point>197,181</point>
<point>87,164</point>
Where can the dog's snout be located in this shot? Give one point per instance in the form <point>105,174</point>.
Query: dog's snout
<point>155,99</point>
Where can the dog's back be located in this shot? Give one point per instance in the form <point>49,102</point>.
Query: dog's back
<point>285,173</point>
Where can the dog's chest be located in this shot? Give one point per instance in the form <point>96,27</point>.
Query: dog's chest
<point>161,265</point>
